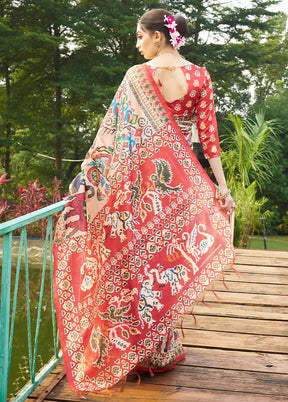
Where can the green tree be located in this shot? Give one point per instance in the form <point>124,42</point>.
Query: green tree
<point>10,59</point>
<point>79,54</point>
<point>69,57</point>
<point>231,41</point>
<point>276,190</point>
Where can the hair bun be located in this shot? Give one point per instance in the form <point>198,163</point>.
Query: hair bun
<point>182,26</point>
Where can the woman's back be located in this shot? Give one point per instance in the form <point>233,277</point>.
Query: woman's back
<point>187,90</point>
<point>169,76</point>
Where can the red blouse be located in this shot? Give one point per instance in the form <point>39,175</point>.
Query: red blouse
<point>198,106</point>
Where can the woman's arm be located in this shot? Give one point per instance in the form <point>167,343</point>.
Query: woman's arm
<point>216,166</point>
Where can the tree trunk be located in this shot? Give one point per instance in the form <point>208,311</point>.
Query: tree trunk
<point>58,111</point>
<point>7,157</point>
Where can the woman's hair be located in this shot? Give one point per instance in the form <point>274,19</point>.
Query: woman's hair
<point>153,20</point>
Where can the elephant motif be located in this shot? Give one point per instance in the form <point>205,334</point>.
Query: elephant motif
<point>119,222</point>
<point>173,276</point>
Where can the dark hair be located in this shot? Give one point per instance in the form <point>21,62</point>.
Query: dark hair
<point>153,20</point>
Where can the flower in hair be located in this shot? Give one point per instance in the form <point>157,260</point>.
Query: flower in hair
<point>176,39</point>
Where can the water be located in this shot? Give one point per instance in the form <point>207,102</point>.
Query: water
<point>20,365</point>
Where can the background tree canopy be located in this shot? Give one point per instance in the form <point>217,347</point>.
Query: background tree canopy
<point>61,62</point>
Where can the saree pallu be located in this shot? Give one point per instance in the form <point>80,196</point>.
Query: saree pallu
<point>141,237</point>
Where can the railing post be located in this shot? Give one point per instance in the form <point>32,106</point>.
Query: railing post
<point>6,330</point>
<point>5,314</point>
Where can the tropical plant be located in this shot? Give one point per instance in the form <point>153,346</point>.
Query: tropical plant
<point>249,212</point>
<point>26,199</point>
<point>31,198</point>
<point>249,153</point>
<point>5,206</point>
<point>61,62</point>
<point>250,150</point>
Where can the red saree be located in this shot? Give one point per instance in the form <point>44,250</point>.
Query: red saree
<point>140,239</point>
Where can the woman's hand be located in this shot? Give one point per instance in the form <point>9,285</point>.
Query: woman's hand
<point>227,203</point>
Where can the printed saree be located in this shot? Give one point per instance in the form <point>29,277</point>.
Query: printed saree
<point>141,237</point>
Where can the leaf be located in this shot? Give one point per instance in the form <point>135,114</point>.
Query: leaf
<point>148,207</point>
<point>143,215</point>
<point>134,331</point>
<point>125,334</point>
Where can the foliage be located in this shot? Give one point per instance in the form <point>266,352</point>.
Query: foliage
<point>26,199</point>
<point>5,206</point>
<point>249,153</point>
<point>284,225</point>
<point>278,223</point>
<point>250,150</point>
<point>63,60</point>
<point>276,107</point>
<point>233,42</point>
<point>31,198</point>
<point>249,212</point>
<point>272,223</point>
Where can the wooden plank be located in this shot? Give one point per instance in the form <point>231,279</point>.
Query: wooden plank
<point>273,363</point>
<point>246,287</point>
<point>196,357</point>
<point>268,261</point>
<point>159,392</point>
<point>248,299</point>
<point>255,278</point>
<point>238,325</point>
<point>261,253</point>
<point>236,341</point>
<point>238,345</point>
<point>260,269</point>
<point>51,386</point>
<point>232,310</point>
<point>35,394</point>
<point>235,360</point>
<point>224,380</point>
<point>151,392</point>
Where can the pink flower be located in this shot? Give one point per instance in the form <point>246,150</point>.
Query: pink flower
<point>176,40</point>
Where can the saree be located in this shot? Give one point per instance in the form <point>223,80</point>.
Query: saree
<point>141,237</point>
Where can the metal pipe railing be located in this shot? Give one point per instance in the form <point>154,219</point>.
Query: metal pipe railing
<point>7,322</point>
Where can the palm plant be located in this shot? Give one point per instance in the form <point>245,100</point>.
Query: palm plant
<point>249,152</point>
<point>249,212</point>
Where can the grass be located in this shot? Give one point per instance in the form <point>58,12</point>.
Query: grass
<point>279,243</point>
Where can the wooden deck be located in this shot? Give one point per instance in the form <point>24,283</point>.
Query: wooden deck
<point>238,351</point>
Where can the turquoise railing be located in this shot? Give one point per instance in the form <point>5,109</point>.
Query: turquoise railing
<point>8,317</point>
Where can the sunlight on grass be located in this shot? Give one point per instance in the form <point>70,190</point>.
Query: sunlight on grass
<point>273,243</point>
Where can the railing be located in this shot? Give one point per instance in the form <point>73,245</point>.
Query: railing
<point>8,318</point>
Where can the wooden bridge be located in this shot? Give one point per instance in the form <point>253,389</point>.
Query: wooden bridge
<point>238,351</point>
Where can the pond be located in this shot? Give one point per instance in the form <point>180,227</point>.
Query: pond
<point>20,365</point>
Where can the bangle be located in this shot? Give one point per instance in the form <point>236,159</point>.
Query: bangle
<point>221,197</point>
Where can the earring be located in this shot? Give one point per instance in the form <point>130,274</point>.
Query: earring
<point>156,42</point>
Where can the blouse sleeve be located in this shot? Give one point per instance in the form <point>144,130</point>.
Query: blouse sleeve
<point>206,120</point>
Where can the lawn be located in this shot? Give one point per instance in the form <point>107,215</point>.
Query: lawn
<point>273,243</point>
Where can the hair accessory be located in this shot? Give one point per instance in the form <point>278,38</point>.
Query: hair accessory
<point>176,39</point>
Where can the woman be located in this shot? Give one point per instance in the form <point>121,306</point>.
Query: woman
<point>143,233</point>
